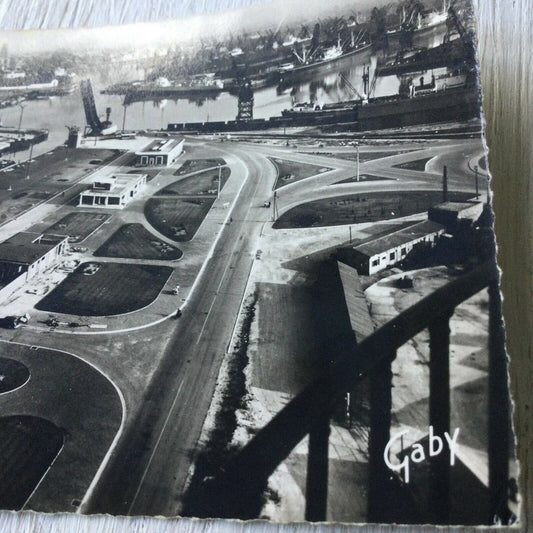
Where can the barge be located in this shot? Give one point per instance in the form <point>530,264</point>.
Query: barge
<point>13,140</point>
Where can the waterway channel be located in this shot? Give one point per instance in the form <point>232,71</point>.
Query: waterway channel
<point>56,113</point>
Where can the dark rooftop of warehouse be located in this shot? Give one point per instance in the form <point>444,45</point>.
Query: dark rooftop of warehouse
<point>27,247</point>
<point>398,238</point>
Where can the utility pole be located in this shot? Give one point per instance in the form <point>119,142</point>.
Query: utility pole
<point>124,118</point>
<point>350,234</point>
<point>366,79</point>
<point>348,409</point>
<point>274,206</point>
<point>357,148</point>
<point>29,161</point>
<point>20,118</point>
<point>219,174</point>
<point>477,186</point>
<point>445,184</point>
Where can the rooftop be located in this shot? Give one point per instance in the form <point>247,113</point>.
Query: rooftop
<point>398,238</point>
<point>27,247</point>
<point>161,146</point>
<point>120,183</point>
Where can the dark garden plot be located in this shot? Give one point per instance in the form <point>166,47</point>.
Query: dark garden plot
<point>177,218</point>
<point>134,241</point>
<point>293,171</point>
<point>13,374</point>
<point>363,156</point>
<point>28,446</point>
<point>194,165</point>
<point>199,184</point>
<point>364,207</point>
<point>151,173</point>
<point>79,225</point>
<point>362,177</point>
<point>417,164</point>
<point>102,289</point>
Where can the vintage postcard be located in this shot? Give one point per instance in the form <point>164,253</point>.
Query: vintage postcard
<point>247,269</point>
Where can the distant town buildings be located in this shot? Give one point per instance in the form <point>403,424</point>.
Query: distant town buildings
<point>161,152</point>
<point>113,192</point>
<point>25,255</point>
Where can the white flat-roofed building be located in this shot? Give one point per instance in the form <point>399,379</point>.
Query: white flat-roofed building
<point>113,192</point>
<point>378,254</point>
<point>26,255</point>
<point>161,152</point>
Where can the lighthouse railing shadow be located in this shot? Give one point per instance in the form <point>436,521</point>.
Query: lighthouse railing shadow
<point>236,491</point>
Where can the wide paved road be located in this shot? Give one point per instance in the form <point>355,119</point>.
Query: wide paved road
<point>154,460</point>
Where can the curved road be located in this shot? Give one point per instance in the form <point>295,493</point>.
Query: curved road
<point>153,461</point>
<point>149,467</point>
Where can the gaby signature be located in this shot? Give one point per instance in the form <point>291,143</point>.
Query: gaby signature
<point>436,446</point>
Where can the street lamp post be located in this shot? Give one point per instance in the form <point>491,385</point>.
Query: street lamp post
<point>20,118</point>
<point>219,178</point>
<point>66,144</point>
<point>477,186</point>
<point>357,149</point>
<point>124,118</point>
<point>29,161</point>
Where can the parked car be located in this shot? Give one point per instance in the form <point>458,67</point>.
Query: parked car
<point>14,322</point>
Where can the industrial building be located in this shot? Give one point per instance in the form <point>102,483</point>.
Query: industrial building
<point>25,255</point>
<point>161,152</point>
<point>113,192</point>
<point>450,214</point>
<point>371,257</point>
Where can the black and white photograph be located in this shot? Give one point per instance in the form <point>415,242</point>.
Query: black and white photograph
<point>248,270</point>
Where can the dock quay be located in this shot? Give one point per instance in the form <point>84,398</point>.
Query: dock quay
<point>13,140</point>
<point>148,92</point>
<point>379,113</point>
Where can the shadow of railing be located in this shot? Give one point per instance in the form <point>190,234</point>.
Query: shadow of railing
<point>236,491</point>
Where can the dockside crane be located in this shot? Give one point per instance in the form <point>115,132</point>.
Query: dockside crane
<point>368,88</point>
<point>350,86</point>
<point>466,37</point>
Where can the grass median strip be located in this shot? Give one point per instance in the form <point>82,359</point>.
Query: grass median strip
<point>134,241</point>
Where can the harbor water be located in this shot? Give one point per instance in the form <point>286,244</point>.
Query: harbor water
<point>57,113</point>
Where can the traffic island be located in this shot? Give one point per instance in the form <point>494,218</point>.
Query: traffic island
<point>202,183</point>
<point>29,446</point>
<point>362,207</point>
<point>13,374</point>
<point>104,289</point>
<point>177,218</point>
<point>134,241</point>
<point>292,171</point>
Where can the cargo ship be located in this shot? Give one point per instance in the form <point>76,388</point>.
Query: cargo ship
<point>150,92</point>
<point>424,104</point>
<point>334,58</point>
<point>197,87</point>
<point>12,95</point>
<point>448,54</point>
<point>13,140</point>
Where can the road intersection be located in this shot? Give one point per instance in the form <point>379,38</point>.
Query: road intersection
<point>167,369</point>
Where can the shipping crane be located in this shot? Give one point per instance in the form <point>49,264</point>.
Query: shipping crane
<point>350,86</point>
<point>466,36</point>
